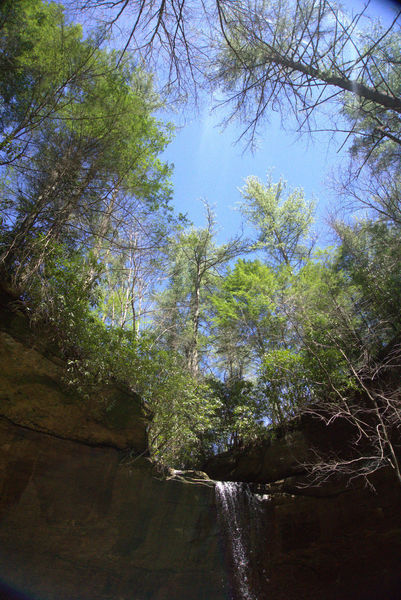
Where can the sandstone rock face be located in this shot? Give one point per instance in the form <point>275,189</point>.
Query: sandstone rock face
<point>32,394</point>
<point>265,463</point>
<point>83,514</point>
<point>341,547</point>
<point>91,523</point>
<point>284,454</point>
<point>87,523</point>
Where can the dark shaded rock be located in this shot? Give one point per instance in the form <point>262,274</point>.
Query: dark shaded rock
<point>273,459</point>
<point>343,547</point>
<point>79,522</point>
<point>83,517</point>
<point>283,453</point>
<point>334,541</point>
<point>76,522</point>
<point>32,394</point>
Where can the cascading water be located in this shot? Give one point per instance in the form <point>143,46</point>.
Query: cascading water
<point>239,512</point>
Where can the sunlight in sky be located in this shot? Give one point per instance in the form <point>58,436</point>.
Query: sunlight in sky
<point>210,166</point>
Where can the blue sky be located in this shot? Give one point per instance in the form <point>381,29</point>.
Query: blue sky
<point>208,165</point>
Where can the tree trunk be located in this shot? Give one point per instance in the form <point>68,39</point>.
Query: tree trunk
<point>348,85</point>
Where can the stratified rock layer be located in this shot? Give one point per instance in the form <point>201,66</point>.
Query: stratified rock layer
<point>32,394</point>
<point>83,514</point>
<point>346,546</point>
<point>80,522</point>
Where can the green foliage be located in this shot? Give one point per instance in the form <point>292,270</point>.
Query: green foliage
<point>181,408</point>
<point>89,160</point>
<point>88,235</point>
<point>246,312</point>
<point>370,255</point>
<point>196,263</point>
<point>185,411</point>
<point>325,322</point>
<point>38,63</point>
<point>284,383</point>
<point>377,131</point>
<point>239,416</point>
<point>283,225</point>
<point>53,76</point>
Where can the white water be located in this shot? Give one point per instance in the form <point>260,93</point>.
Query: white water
<point>230,502</point>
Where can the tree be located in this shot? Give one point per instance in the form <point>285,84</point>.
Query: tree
<point>283,226</point>
<point>250,304</point>
<point>79,184</point>
<point>376,195</point>
<point>172,33</point>
<point>298,55</point>
<point>248,323</point>
<point>246,315</point>
<point>195,264</point>
<point>133,268</point>
<point>349,333</point>
<point>239,417</point>
<point>43,62</point>
<point>376,131</point>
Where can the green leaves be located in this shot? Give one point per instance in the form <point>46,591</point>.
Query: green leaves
<point>283,225</point>
<point>77,125</point>
<point>284,383</point>
<point>42,60</point>
<point>245,307</point>
<point>377,131</point>
<point>196,263</point>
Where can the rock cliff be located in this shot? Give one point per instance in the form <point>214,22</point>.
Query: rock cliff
<point>85,516</point>
<point>90,523</point>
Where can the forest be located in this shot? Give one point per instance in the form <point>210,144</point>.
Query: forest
<point>223,342</point>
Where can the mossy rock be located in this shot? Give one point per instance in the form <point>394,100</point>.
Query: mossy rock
<point>122,407</point>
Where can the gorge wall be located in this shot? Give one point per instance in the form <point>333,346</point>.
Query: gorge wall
<point>79,522</point>
<point>85,516</point>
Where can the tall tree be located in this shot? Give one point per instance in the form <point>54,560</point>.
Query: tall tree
<point>298,55</point>
<point>246,316</point>
<point>195,263</point>
<point>43,61</point>
<point>133,267</point>
<point>78,183</point>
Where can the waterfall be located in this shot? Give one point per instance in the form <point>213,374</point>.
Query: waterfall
<point>239,516</point>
